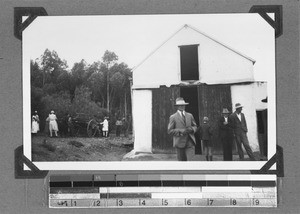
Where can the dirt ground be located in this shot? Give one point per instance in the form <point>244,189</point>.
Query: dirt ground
<point>80,148</point>
<point>99,149</point>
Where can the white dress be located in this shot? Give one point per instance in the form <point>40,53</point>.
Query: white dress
<point>105,125</point>
<point>52,123</point>
<point>34,125</point>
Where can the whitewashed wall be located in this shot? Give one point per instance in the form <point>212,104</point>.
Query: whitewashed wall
<point>245,94</point>
<point>217,64</point>
<point>142,120</point>
<point>260,91</point>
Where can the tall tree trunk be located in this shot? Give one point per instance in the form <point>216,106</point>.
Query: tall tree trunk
<point>107,90</point>
<point>125,105</point>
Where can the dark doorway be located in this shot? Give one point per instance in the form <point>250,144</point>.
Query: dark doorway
<point>189,62</point>
<point>262,130</point>
<point>190,95</point>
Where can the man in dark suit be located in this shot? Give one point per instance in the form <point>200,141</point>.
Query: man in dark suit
<point>226,135</point>
<point>239,125</point>
<point>182,127</point>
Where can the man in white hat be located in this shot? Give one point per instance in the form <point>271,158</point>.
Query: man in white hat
<point>239,125</point>
<point>226,135</point>
<point>182,127</point>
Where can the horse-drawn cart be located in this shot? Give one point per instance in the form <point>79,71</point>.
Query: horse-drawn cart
<point>84,124</point>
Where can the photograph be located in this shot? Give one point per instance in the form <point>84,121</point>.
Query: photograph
<point>149,92</point>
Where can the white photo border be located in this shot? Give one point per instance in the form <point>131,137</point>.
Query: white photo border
<point>142,165</point>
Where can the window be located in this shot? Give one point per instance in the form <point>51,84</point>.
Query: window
<point>189,62</point>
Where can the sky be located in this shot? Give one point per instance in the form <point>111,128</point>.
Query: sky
<point>134,37</point>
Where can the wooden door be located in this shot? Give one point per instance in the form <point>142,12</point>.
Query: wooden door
<point>163,100</point>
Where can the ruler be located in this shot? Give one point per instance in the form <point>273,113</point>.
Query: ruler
<point>162,190</point>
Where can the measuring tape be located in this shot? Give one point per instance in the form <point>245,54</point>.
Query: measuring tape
<point>169,190</point>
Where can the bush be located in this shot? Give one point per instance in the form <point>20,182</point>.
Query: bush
<point>62,105</point>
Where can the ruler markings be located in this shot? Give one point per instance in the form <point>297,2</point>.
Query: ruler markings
<point>162,191</point>
<point>165,202</point>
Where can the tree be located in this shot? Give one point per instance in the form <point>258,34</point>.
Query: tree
<point>109,58</point>
<point>97,84</point>
<point>52,66</point>
<point>36,74</point>
<point>121,85</point>
<point>83,89</point>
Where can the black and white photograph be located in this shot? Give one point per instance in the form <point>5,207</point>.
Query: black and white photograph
<point>149,92</point>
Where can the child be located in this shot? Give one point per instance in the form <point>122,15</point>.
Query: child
<point>206,133</point>
<point>105,127</point>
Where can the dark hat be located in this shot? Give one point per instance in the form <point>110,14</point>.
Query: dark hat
<point>265,100</point>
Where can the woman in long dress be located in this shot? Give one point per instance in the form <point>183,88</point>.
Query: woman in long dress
<point>53,124</point>
<point>105,127</point>
<point>34,125</point>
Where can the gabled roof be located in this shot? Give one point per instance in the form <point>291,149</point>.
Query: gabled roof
<point>200,32</point>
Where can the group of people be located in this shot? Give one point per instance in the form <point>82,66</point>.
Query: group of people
<point>121,126</point>
<point>51,124</point>
<point>182,127</point>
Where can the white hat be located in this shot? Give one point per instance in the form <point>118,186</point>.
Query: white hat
<point>180,102</point>
<point>52,112</point>
<point>238,105</point>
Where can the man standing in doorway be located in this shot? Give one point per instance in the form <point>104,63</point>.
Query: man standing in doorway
<point>239,125</point>
<point>182,127</point>
<point>226,135</point>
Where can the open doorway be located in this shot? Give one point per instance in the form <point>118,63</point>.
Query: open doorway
<point>190,95</point>
<point>262,130</point>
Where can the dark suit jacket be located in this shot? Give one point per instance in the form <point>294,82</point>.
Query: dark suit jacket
<point>237,125</point>
<point>177,126</point>
<point>205,131</point>
<point>224,130</point>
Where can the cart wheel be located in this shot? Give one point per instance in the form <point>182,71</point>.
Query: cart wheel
<point>92,128</point>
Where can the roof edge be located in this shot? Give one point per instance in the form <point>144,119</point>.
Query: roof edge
<point>198,31</point>
<point>226,46</point>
